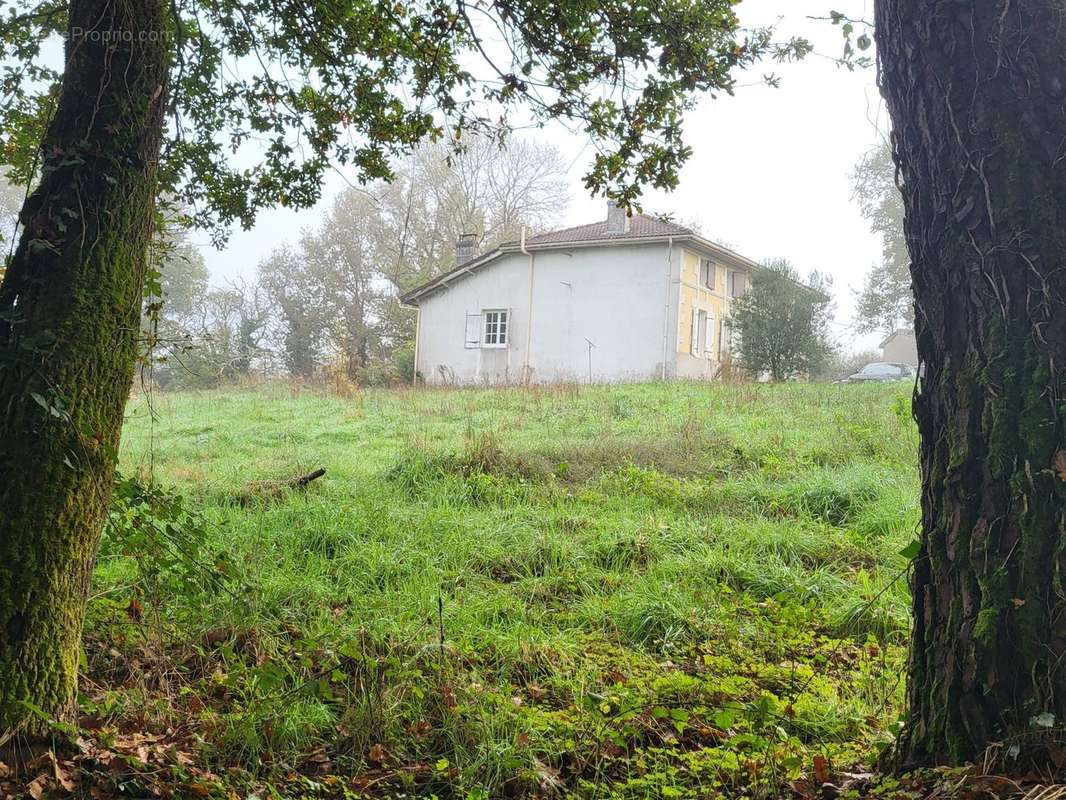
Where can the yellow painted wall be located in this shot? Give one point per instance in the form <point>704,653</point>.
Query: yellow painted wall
<point>695,296</point>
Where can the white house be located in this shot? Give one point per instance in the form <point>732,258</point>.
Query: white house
<point>625,299</point>
<point>900,347</point>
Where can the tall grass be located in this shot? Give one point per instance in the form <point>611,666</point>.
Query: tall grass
<point>482,567</point>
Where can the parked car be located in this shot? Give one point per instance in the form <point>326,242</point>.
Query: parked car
<point>881,371</point>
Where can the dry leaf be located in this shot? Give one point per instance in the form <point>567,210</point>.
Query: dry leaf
<point>821,770</point>
<point>376,754</point>
<point>1059,463</point>
<point>135,611</point>
<point>62,773</point>
<point>36,787</point>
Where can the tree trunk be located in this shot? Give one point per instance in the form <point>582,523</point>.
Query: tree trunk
<point>977,96</point>
<point>69,318</point>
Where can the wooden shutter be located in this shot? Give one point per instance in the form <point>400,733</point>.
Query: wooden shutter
<point>694,334</point>
<point>739,284</point>
<point>473,330</point>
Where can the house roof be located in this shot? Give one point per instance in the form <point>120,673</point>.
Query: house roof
<point>894,334</point>
<point>641,228</point>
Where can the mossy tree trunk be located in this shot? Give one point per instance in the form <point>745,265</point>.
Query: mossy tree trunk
<point>69,318</point>
<point>977,96</point>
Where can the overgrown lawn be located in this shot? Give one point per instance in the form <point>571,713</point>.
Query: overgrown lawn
<point>659,590</point>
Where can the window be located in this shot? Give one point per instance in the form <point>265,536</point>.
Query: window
<point>725,337</point>
<point>495,329</point>
<point>737,284</point>
<point>707,270</point>
<point>701,339</point>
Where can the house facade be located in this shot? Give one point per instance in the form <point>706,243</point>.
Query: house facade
<point>900,347</point>
<point>625,299</point>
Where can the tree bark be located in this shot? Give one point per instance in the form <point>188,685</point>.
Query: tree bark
<point>69,318</point>
<point>977,97</point>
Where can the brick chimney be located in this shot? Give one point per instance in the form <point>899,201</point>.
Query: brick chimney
<point>617,219</point>
<point>465,248</point>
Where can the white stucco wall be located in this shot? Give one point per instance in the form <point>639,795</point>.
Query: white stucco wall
<point>615,296</point>
<point>901,349</point>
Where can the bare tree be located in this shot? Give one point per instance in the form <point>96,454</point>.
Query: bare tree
<point>491,189</point>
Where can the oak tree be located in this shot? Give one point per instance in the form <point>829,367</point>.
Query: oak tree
<point>977,97</point>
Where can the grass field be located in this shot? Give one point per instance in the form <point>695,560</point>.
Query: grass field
<point>660,590</point>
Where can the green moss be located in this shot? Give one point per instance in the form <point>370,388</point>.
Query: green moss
<point>986,628</point>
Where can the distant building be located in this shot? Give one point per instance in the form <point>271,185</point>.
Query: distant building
<point>900,347</point>
<point>628,298</point>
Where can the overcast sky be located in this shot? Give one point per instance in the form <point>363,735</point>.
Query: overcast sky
<point>769,175</point>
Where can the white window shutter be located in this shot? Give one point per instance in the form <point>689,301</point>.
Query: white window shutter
<point>708,344</point>
<point>694,334</point>
<point>472,338</point>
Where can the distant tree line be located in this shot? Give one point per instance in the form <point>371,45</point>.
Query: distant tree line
<point>327,303</point>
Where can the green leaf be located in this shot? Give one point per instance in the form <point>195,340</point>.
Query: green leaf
<point>39,399</point>
<point>912,550</point>
<point>725,719</point>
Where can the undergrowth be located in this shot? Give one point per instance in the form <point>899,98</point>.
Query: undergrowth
<point>662,590</point>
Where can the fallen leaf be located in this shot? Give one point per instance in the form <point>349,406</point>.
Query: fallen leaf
<point>35,789</point>
<point>376,754</point>
<point>183,759</point>
<point>90,722</point>
<point>1058,754</point>
<point>821,770</point>
<point>62,773</point>
<point>1059,463</point>
<point>548,776</point>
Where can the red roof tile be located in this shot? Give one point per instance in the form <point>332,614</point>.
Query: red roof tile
<point>639,225</point>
